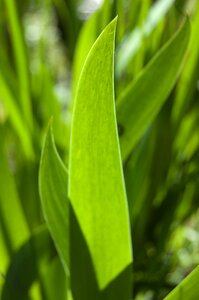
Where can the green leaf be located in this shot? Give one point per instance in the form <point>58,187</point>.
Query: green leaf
<point>53,180</point>
<point>24,268</point>
<point>187,82</point>
<point>11,211</point>
<point>16,120</point>
<point>20,55</point>
<point>141,101</point>
<point>87,37</point>
<point>188,289</point>
<point>4,259</point>
<point>134,40</point>
<point>96,185</point>
<point>54,281</point>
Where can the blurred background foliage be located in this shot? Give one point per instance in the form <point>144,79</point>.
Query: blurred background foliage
<point>43,45</point>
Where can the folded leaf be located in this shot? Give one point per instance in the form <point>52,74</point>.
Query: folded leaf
<point>53,192</point>
<point>142,100</point>
<point>96,185</point>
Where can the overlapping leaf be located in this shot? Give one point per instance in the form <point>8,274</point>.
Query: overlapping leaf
<point>96,186</point>
<point>141,101</point>
<point>53,192</point>
<point>25,265</point>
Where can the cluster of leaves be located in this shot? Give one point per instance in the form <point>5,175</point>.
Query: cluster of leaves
<point>101,212</point>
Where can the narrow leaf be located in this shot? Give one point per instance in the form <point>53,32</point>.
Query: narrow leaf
<point>188,289</point>
<point>134,40</point>
<point>53,192</point>
<point>24,268</point>
<point>141,101</point>
<point>20,55</point>
<point>96,186</point>
<point>11,210</point>
<point>16,119</point>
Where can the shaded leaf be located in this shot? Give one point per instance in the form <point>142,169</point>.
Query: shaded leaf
<point>23,270</point>
<point>53,192</point>
<point>11,210</point>
<point>16,119</point>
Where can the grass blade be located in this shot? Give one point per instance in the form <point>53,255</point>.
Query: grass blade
<point>20,60</point>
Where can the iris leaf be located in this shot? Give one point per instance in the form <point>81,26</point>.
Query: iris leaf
<point>53,180</point>
<point>96,185</point>
<point>143,98</point>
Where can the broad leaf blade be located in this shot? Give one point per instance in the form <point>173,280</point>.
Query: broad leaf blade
<point>53,192</point>
<point>141,101</point>
<point>188,289</point>
<point>96,187</point>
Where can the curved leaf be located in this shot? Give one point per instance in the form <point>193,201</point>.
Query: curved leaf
<point>96,185</point>
<point>141,101</point>
<point>133,41</point>
<point>53,180</point>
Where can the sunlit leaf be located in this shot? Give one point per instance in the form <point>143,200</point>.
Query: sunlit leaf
<point>21,63</point>
<point>141,101</point>
<point>133,41</point>
<point>96,186</point>
<point>188,289</point>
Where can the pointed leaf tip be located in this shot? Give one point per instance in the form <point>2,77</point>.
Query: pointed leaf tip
<point>53,180</point>
<point>96,186</point>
